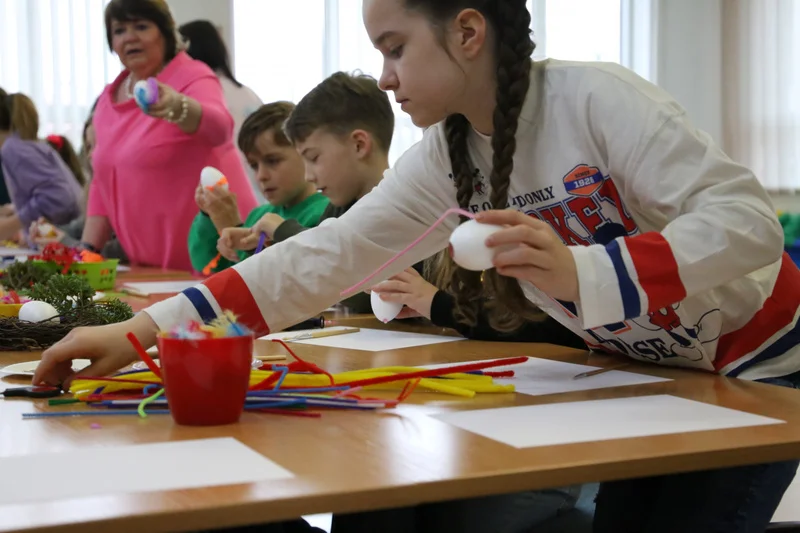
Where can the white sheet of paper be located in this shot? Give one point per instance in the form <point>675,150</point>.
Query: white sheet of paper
<point>789,508</point>
<point>538,377</point>
<point>369,340</point>
<point>167,466</point>
<point>14,252</point>
<point>529,426</point>
<point>161,287</point>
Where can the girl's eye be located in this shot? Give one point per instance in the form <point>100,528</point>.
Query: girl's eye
<point>272,161</point>
<point>119,31</point>
<point>142,27</point>
<point>396,52</point>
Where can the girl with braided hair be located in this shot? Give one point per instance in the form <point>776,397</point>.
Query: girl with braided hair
<point>622,221</point>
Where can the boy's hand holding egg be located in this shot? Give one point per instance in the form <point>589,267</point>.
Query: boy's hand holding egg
<point>222,207</point>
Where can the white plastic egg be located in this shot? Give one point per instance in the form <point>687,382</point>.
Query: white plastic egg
<point>468,245</point>
<point>210,177</point>
<point>384,311</point>
<point>35,311</point>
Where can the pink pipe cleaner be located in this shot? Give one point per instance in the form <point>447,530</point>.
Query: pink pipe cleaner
<point>407,248</point>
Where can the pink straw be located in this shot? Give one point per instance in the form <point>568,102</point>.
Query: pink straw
<point>407,248</point>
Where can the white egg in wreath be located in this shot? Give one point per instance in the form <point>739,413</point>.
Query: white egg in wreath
<point>36,311</point>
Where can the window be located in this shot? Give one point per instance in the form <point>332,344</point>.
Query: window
<point>314,39</point>
<point>56,53</point>
<point>577,30</point>
<point>761,81</point>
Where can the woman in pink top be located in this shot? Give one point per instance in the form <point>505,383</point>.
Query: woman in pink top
<point>147,165</point>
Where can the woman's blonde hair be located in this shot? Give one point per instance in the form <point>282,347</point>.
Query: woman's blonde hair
<point>18,115</point>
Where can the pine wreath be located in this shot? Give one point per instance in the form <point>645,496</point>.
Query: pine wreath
<point>71,295</point>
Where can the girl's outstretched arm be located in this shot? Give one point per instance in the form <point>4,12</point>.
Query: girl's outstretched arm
<point>294,279</point>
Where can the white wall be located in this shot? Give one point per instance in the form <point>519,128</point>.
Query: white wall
<point>689,59</point>
<point>220,12</point>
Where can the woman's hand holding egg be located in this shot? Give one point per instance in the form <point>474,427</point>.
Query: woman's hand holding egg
<point>169,100</point>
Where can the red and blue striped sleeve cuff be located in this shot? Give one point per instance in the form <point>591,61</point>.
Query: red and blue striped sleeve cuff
<point>226,291</point>
<point>627,278</point>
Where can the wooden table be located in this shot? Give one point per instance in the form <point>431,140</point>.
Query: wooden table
<point>138,273</point>
<point>142,273</point>
<point>349,461</point>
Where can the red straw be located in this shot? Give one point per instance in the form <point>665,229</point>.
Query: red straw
<point>143,354</point>
<point>468,367</point>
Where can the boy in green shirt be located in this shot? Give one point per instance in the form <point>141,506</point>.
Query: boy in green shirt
<point>280,173</point>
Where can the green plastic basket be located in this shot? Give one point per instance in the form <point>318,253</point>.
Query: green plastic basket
<point>101,276</point>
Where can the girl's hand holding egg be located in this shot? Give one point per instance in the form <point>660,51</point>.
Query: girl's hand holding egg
<point>528,249</point>
<point>410,289</point>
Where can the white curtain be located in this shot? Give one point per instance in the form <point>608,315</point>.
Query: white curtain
<point>316,38</point>
<point>761,88</point>
<point>55,51</point>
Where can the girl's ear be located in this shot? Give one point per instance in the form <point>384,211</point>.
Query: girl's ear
<point>470,30</point>
<point>362,142</point>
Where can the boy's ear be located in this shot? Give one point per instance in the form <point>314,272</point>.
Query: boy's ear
<point>362,143</point>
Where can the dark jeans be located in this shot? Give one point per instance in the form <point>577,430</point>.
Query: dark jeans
<point>508,513</point>
<point>731,500</point>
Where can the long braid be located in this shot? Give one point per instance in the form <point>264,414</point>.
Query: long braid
<point>465,285</point>
<point>514,49</point>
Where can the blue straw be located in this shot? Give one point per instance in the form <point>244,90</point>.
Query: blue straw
<point>261,241</point>
<point>283,370</point>
<point>91,413</point>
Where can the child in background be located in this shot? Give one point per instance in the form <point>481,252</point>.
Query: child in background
<point>621,220</point>
<point>64,148</point>
<point>281,176</point>
<point>38,181</point>
<point>42,232</point>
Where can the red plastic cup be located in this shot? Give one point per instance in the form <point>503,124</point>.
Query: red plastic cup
<point>206,381</point>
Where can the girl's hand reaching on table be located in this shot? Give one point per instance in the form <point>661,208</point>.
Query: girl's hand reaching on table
<point>106,346</point>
